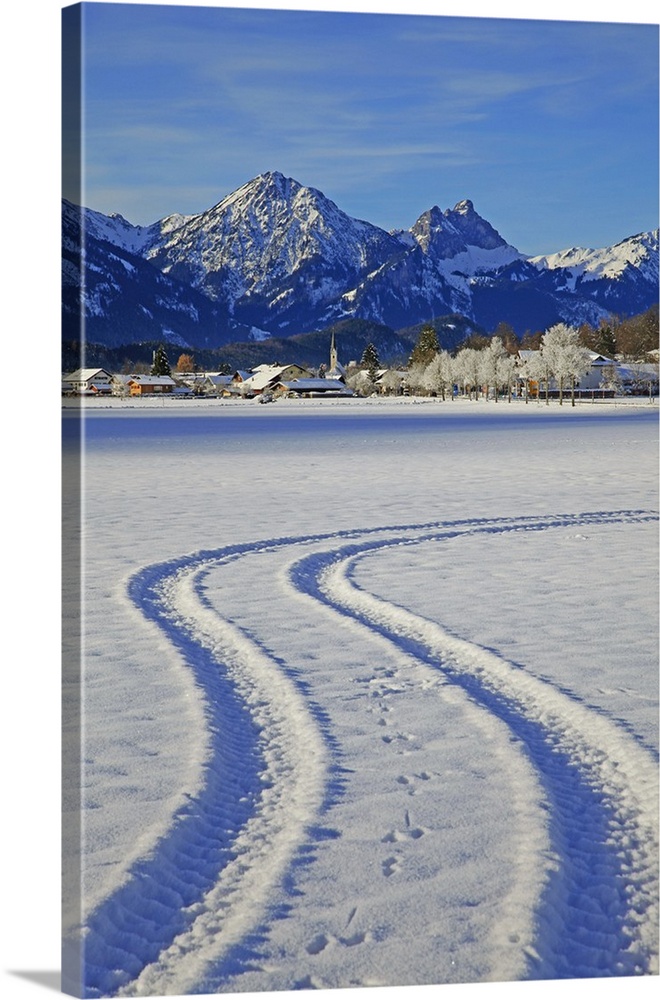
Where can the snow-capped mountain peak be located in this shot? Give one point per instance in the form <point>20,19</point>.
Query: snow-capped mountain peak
<point>640,251</point>
<point>449,233</point>
<point>273,244</point>
<point>281,257</point>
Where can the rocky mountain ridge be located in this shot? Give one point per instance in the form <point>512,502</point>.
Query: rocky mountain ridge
<point>276,258</point>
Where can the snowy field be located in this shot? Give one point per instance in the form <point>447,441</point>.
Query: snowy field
<point>370,694</point>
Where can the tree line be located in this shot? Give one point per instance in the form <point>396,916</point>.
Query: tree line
<point>492,365</point>
<point>480,363</point>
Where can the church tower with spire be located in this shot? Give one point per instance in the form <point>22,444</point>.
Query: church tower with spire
<point>333,353</point>
<point>336,370</point>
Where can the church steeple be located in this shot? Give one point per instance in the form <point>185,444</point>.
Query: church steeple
<point>336,370</point>
<point>333,353</point>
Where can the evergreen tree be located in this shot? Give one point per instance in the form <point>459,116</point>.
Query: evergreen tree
<point>426,348</point>
<point>370,361</point>
<point>161,365</point>
<point>606,342</point>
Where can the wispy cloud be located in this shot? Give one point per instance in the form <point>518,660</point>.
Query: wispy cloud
<point>186,103</point>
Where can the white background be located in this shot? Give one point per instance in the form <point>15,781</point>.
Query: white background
<point>29,829</point>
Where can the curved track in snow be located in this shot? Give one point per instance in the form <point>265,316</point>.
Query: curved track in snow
<point>209,883</point>
<point>600,783</point>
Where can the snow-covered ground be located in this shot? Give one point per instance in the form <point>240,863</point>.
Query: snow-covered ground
<point>370,694</point>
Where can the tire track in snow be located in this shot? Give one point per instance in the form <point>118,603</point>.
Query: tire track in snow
<point>263,778</point>
<point>264,757</point>
<point>206,883</point>
<point>599,914</point>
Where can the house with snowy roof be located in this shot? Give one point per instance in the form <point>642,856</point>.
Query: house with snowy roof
<point>150,385</point>
<point>264,377</point>
<point>311,387</point>
<point>389,381</point>
<point>639,377</point>
<point>204,383</point>
<point>598,373</point>
<point>594,378</point>
<point>214,382</point>
<point>87,381</point>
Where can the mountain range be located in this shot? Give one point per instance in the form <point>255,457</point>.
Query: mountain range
<point>275,259</point>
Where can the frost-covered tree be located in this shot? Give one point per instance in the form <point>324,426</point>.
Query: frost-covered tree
<point>360,382</point>
<point>426,348</point>
<point>530,371</point>
<point>391,382</point>
<point>161,365</point>
<point>461,370</point>
<point>467,370</point>
<point>610,378</point>
<point>508,373</point>
<point>644,376</point>
<point>565,357</point>
<point>415,379</point>
<point>119,386</point>
<point>542,373</point>
<point>438,374</point>
<point>491,365</point>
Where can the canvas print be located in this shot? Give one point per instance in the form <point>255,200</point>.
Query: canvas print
<point>360,500</point>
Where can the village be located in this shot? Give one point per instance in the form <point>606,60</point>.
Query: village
<point>487,373</point>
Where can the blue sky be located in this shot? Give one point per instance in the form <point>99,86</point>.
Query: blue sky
<point>549,127</point>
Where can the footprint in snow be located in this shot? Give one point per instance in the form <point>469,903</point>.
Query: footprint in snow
<point>396,836</point>
<point>390,866</point>
<point>350,942</point>
<point>321,942</point>
<point>317,944</point>
<point>410,780</point>
<point>403,737</point>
